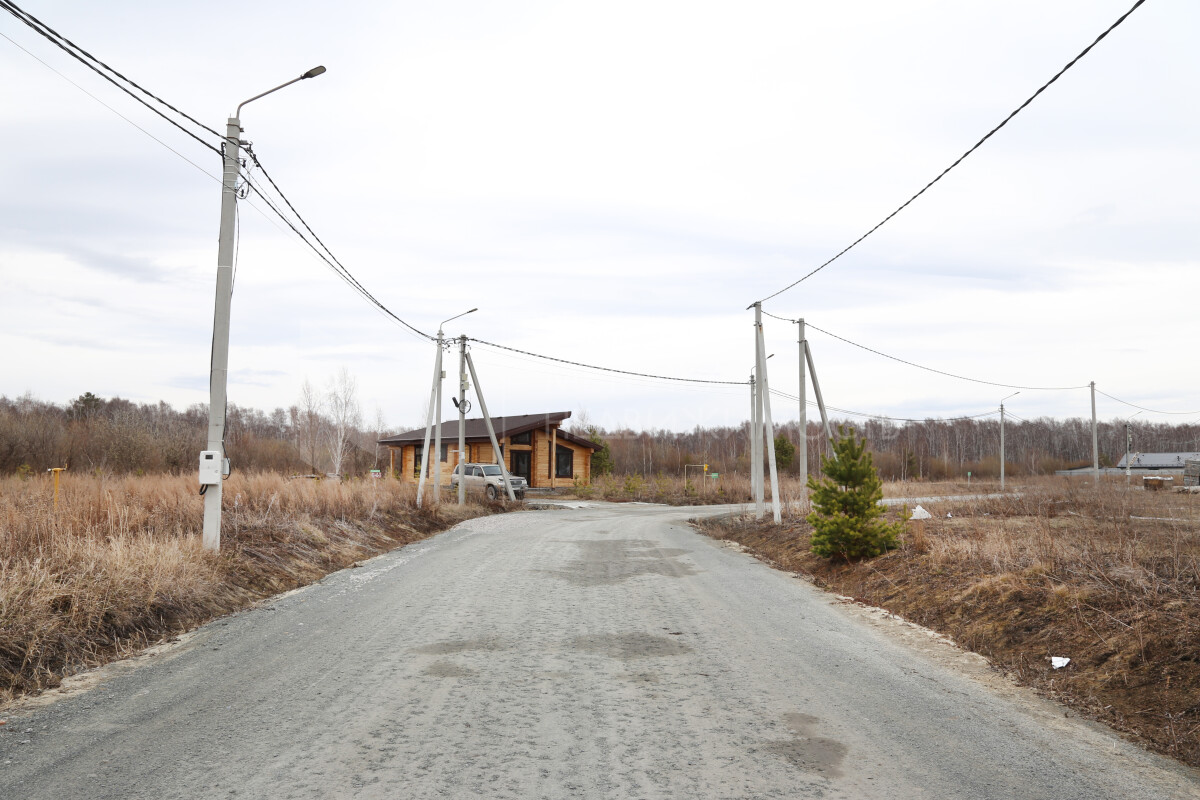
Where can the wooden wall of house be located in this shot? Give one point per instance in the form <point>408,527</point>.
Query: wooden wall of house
<point>541,460</point>
<point>406,462</point>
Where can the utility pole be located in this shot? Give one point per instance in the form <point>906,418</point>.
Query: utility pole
<point>434,391</point>
<point>812,370</point>
<point>487,420</point>
<point>437,429</point>
<point>803,444</point>
<point>1014,394</point>
<point>218,378</point>
<point>1095,440</point>
<point>213,468</point>
<point>462,419</point>
<point>763,406</point>
<point>755,443</point>
<point>1128,447</point>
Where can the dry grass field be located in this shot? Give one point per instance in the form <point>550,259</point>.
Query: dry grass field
<point>118,563</point>
<point>1107,576</point>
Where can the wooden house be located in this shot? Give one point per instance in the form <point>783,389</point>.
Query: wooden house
<point>533,445</point>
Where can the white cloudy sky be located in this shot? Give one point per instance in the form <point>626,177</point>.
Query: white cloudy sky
<point>614,183</point>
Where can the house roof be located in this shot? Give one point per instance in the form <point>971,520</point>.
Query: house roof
<point>476,430</point>
<point>1158,460</point>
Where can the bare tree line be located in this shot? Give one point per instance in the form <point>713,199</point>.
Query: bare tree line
<point>931,449</point>
<point>322,433</point>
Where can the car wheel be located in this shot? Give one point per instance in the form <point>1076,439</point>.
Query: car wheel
<point>491,493</point>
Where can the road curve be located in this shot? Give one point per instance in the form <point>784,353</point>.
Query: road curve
<point>595,652</point>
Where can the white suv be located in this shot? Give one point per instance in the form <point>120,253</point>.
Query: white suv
<point>489,478</point>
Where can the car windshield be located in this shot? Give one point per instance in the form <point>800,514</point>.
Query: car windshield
<point>491,470</point>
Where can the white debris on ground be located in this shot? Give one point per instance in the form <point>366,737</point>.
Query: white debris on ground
<point>1058,662</point>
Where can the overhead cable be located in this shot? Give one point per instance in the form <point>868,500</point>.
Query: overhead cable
<point>828,407</point>
<point>1142,408</point>
<point>943,372</point>
<point>332,260</point>
<point>960,159</point>
<point>604,369</point>
<point>333,264</point>
<point>62,43</point>
<point>110,108</point>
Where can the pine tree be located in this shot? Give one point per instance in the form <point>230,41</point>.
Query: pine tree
<point>846,516</point>
<point>785,453</point>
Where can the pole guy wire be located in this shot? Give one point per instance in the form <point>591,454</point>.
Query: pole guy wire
<point>960,159</point>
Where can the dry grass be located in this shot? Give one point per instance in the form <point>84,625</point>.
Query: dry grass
<point>1059,569</point>
<point>118,562</point>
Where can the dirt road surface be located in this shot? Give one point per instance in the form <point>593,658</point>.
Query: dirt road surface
<point>594,652</point>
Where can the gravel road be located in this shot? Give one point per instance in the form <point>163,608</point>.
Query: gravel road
<point>596,652</point>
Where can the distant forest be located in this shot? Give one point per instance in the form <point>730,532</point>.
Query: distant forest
<point>118,436</point>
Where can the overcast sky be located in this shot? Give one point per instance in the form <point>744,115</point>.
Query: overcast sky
<point>614,183</point>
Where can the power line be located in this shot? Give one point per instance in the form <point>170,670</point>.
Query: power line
<point>960,159</point>
<point>106,105</point>
<point>58,41</point>
<point>605,369</point>
<point>828,407</point>
<point>943,372</point>
<point>332,260</point>
<point>333,264</point>
<point>1151,410</point>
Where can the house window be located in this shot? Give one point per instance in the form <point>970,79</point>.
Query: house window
<point>564,462</point>
<point>418,456</point>
<point>523,438</point>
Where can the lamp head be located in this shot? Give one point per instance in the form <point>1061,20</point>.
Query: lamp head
<point>314,72</point>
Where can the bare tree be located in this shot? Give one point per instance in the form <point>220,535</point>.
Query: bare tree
<point>380,432</point>
<point>308,424</point>
<point>345,416</point>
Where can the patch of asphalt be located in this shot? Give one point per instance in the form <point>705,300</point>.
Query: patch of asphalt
<point>596,653</point>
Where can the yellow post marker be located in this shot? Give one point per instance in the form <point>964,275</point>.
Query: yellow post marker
<point>56,470</point>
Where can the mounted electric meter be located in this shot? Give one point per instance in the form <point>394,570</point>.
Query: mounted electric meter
<point>210,467</point>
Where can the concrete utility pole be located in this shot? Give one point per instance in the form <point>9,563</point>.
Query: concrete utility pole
<point>1095,440</point>
<point>213,468</point>
<point>487,420</point>
<point>438,377</point>
<point>802,445</point>
<point>764,404</point>
<point>755,440</point>
<point>462,419</point>
<point>1014,394</point>
<point>812,370</point>
<point>434,392</point>
<point>1128,447</point>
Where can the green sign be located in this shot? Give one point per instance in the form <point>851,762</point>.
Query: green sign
<point>714,475</point>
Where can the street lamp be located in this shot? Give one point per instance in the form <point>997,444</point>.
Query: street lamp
<point>213,466</point>
<point>1014,394</point>
<point>1128,444</point>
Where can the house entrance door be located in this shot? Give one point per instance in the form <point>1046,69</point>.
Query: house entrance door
<point>521,465</point>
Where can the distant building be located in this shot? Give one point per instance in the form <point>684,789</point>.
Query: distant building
<point>533,445</point>
<point>1166,463</point>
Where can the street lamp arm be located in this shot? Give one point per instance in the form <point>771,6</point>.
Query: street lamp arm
<point>456,316</point>
<point>312,73</point>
